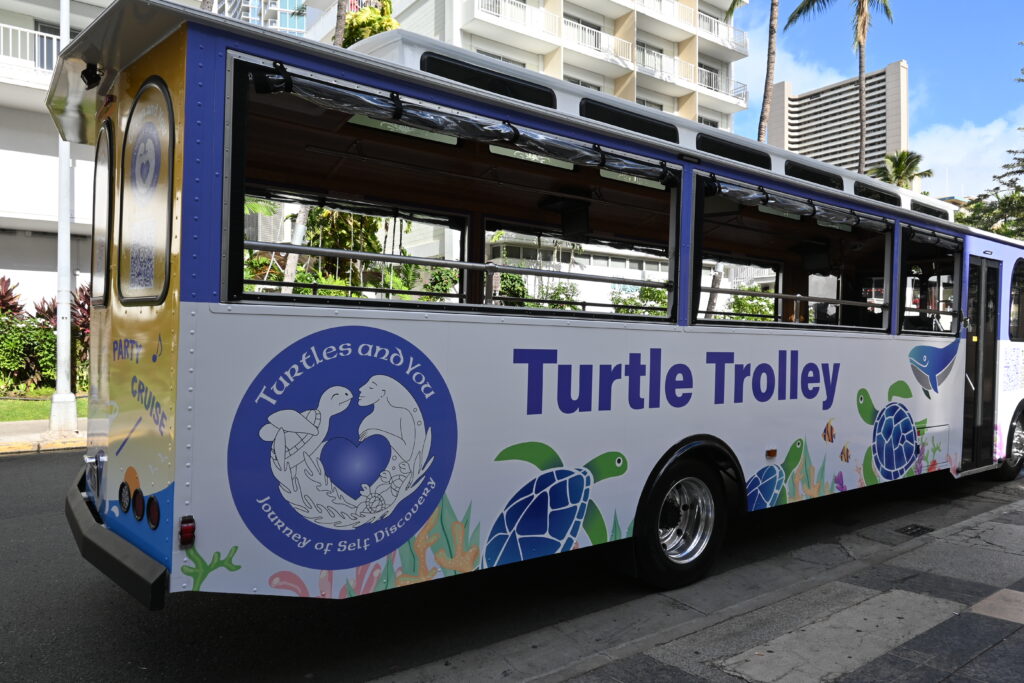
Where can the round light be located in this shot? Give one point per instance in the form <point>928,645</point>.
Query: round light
<point>124,497</point>
<point>153,512</point>
<point>138,504</point>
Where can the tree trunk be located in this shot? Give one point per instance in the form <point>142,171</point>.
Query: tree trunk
<point>291,262</point>
<point>339,23</point>
<point>769,74</point>
<point>863,93</point>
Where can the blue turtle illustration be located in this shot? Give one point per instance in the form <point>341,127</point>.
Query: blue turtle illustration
<point>767,487</point>
<point>894,438</point>
<point>932,364</point>
<point>545,515</point>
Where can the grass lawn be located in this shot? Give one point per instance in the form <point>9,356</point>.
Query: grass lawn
<point>11,410</point>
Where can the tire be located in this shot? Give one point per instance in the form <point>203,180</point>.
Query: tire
<point>675,547</point>
<point>1010,468</point>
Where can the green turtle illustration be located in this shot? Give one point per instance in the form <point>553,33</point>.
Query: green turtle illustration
<point>767,487</point>
<point>545,515</point>
<point>894,437</point>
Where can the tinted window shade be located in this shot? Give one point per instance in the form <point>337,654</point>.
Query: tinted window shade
<point>813,175</point>
<point>488,80</point>
<point>730,150</point>
<point>869,192</point>
<point>929,210</point>
<point>604,113</point>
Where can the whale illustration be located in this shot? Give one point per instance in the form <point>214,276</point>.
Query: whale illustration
<point>932,364</point>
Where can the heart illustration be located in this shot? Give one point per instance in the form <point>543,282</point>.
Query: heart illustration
<point>350,465</point>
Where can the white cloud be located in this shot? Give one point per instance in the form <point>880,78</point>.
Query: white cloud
<point>964,158</point>
<point>802,72</point>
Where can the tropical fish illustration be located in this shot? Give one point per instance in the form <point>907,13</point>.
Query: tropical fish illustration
<point>844,454</point>
<point>932,364</point>
<point>829,433</point>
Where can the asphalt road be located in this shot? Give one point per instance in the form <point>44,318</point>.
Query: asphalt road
<point>60,619</point>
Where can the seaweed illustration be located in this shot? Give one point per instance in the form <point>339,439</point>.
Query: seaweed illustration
<point>201,568</point>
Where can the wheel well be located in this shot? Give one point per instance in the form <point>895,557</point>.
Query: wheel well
<point>1013,418</point>
<point>714,452</point>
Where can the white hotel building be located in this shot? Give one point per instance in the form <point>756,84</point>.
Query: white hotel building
<point>672,55</point>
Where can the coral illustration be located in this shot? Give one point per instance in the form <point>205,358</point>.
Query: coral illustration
<point>414,560</point>
<point>452,551</point>
<point>201,568</point>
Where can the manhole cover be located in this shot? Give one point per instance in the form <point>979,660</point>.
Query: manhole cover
<point>915,530</point>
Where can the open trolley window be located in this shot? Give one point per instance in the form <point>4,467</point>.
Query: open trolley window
<point>769,257</point>
<point>348,195</point>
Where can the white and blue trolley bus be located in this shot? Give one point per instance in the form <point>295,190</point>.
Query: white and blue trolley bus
<point>365,318</point>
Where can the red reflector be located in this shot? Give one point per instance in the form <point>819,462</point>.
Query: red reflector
<point>187,532</point>
<point>153,512</point>
<point>138,504</point>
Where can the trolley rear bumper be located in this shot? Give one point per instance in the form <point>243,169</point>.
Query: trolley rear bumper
<point>141,576</point>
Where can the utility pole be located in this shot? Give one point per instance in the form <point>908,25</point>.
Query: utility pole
<point>63,416</point>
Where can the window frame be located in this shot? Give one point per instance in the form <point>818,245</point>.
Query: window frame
<point>234,243</point>
<point>101,299</point>
<point>698,256</point>
<point>1018,334</point>
<point>161,87</point>
<point>957,271</point>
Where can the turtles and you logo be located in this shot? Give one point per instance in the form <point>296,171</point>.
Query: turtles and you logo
<point>145,168</point>
<point>342,447</point>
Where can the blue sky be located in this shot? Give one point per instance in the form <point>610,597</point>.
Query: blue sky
<point>965,106</point>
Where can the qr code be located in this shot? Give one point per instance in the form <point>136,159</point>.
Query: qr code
<point>140,276</point>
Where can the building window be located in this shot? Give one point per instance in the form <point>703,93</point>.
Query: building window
<point>650,103</point>
<point>708,121</point>
<point>585,84</point>
<point>500,58</point>
<point>650,56</point>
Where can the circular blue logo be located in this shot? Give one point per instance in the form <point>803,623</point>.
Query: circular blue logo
<point>342,447</point>
<point>145,168</point>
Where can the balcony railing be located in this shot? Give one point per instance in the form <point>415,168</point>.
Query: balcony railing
<point>719,83</point>
<point>520,15</point>
<point>666,68</point>
<point>670,11</point>
<point>27,49</point>
<point>586,37</point>
<point>717,28</point>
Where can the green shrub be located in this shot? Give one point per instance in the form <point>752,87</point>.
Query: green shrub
<point>28,354</point>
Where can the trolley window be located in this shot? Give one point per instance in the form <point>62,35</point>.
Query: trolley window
<point>1017,301</point>
<point>930,276</point>
<point>102,197</point>
<point>770,257</point>
<point>355,197</point>
<point>146,197</point>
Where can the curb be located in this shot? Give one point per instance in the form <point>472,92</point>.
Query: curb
<point>36,447</point>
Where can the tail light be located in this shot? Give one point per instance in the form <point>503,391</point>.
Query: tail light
<point>187,532</point>
<point>153,512</point>
<point>138,504</point>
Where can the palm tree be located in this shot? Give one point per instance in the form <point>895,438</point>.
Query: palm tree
<point>339,22</point>
<point>900,169</point>
<point>769,74</point>
<point>861,24</point>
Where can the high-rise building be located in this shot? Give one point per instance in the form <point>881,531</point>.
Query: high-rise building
<point>287,16</point>
<point>671,55</point>
<point>824,124</point>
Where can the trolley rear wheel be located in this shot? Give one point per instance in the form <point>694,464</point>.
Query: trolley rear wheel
<point>680,524</point>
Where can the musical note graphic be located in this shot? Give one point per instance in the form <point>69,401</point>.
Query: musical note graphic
<point>159,347</point>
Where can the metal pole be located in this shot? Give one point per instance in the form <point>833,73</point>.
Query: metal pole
<point>63,418</point>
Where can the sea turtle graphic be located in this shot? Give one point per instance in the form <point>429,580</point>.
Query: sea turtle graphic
<point>894,443</point>
<point>767,487</point>
<point>545,515</point>
<point>296,436</point>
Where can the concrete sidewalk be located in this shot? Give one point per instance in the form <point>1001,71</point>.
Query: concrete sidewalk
<point>910,598</point>
<point>34,436</point>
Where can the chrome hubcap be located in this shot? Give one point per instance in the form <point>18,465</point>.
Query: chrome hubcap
<point>686,520</point>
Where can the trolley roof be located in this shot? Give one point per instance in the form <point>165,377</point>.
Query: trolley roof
<point>128,29</point>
